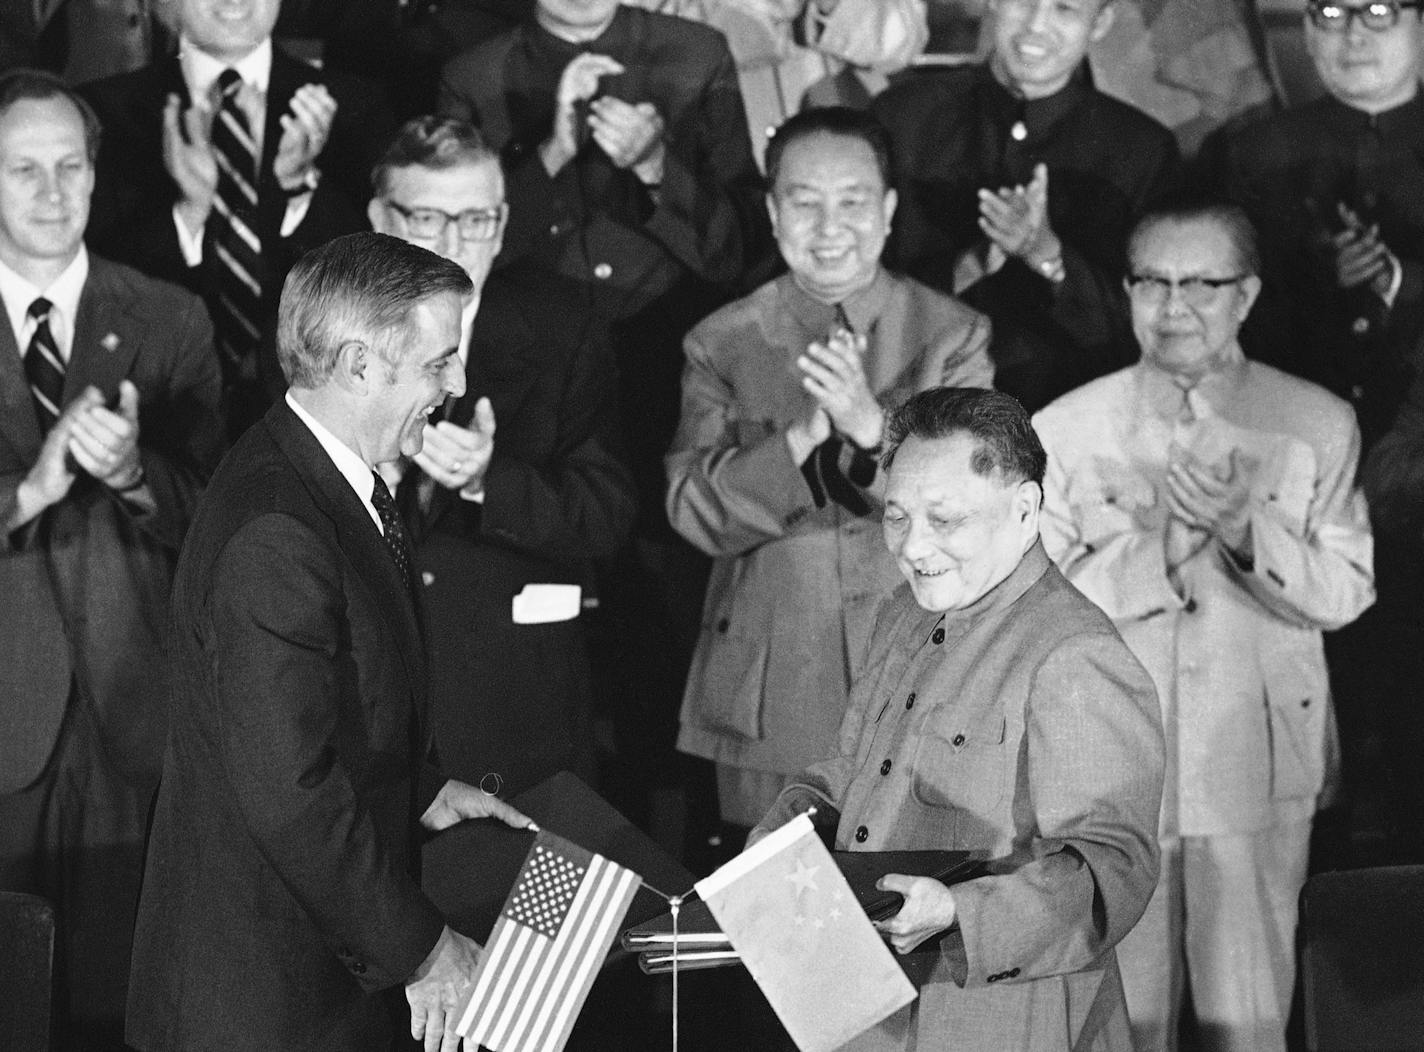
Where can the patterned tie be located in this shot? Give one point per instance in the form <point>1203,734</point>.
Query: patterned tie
<point>44,368</point>
<point>235,249</point>
<point>394,535</point>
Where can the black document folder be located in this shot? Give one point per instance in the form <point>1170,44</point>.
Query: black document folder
<point>469,868</point>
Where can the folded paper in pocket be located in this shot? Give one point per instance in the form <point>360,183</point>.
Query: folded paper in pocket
<point>540,604</point>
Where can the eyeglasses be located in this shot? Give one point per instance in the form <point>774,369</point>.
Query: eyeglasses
<point>428,224</point>
<point>1377,16</point>
<point>1196,291</point>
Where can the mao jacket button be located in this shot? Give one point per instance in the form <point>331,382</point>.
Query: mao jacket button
<point>861,835</point>
<point>885,767</point>
<point>938,636</point>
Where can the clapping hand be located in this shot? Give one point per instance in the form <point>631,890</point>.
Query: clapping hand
<point>104,441</point>
<point>1214,501</point>
<point>305,131</point>
<point>188,156</point>
<point>1016,220</point>
<point>457,457</point>
<point>578,83</point>
<point>631,135</point>
<point>834,374</point>
<point>1360,256</point>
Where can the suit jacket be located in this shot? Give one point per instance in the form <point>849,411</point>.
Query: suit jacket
<point>132,214</point>
<point>279,894</point>
<point>794,587</point>
<point>1022,728</point>
<point>514,699</point>
<point>958,131</point>
<point>1237,658</point>
<point>86,583</point>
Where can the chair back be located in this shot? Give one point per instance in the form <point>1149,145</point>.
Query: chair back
<point>1363,961</point>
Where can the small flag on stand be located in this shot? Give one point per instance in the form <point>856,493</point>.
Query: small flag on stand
<point>790,914</point>
<point>546,947</point>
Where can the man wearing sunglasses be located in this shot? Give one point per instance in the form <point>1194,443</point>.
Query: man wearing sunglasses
<point>504,522</point>
<point>1207,503</point>
<point>1336,188</point>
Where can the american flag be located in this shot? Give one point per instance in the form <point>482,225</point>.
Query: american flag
<point>551,937</point>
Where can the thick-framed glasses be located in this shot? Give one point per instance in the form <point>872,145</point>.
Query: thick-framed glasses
<point>1377,16</point>
<point>428,224</point>
<point>1196,291</point>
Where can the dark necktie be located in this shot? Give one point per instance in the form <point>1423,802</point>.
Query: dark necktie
<point>44,369</point>
<point>394,532</point>
<point>232,238</point>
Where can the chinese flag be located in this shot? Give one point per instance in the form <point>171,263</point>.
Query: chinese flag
<point>800,932</point>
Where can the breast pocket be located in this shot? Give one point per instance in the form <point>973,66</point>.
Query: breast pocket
<point>961,765</point>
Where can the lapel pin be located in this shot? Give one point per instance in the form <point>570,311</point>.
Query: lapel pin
<point>110,342</point>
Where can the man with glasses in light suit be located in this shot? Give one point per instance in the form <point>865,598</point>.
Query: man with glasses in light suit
<point>515,514</point>
<point>1207,503</point>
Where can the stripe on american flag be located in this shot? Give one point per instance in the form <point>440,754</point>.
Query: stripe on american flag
<point>546,948</point>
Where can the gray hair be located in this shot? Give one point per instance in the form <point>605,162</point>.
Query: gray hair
<point>358,287</point>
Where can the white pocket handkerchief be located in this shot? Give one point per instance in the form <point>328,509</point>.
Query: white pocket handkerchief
<point>540,604</point>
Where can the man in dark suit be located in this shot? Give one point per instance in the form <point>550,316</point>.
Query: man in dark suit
<point>503,541</point>
<point>108,427</point>
<point>630,172</point>
<point>1018,184</point>
<point>280,898</point>
<point>224,164</point>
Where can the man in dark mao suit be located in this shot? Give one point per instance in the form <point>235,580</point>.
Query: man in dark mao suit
<point>280,898</point>
<point>98,476</point>
<point>503,542</point>
<point>159,204</point>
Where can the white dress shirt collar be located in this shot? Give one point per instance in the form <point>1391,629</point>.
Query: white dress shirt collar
<point>467,321</point>
<point>201,70</point>
<point>355,470</point>
<point>63,293</point>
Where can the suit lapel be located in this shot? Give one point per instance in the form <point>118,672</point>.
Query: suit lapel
<point>358,537</point>
<point>17,408</point>
<point>101,356</point>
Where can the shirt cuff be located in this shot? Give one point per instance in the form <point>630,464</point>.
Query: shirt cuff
<point>191,245</point>
<point>297,209</point>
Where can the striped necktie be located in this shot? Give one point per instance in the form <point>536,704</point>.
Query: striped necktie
<point>44,368</point>
<point>394,534</point>
<point>235,247</point>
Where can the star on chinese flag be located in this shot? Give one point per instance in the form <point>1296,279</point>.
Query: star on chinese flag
<point>796,924</point>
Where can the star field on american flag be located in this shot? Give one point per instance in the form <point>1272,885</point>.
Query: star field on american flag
<point>544,896</point>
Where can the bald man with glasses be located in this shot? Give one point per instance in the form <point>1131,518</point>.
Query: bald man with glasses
<point>516,489</point>
<point>1207,503</point>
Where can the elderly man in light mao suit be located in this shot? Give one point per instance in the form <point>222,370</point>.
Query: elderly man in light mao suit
<point>772,470</point>
<point>1207,503</point>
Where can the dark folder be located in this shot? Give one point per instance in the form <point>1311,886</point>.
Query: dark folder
<point>701,944</point>
<point>469,868</point>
